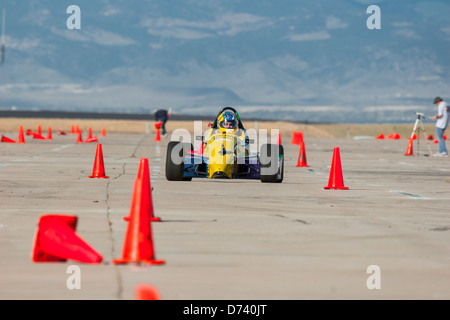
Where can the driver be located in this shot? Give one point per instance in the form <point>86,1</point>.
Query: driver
<point>227,120</point>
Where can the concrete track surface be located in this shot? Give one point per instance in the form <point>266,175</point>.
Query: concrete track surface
<point>233,239</point>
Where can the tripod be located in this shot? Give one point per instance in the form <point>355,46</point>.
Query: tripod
<point>418,126</point>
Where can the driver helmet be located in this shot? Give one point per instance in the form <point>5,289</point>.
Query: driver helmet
<point>228,120</point>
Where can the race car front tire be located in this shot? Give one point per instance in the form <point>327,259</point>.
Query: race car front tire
<point>271,158</point>
<point>175,161</point>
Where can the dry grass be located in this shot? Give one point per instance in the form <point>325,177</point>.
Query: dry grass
<point>11,125</point>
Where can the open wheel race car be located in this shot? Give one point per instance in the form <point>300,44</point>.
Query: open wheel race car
<point>225,153</point>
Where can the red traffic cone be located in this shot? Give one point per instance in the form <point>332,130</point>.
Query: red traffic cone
<point>430,137</point>
<point>103,132</point>
<point>49,134</point>
<point>99,168</point>
<point>7,140</point>
<point>302,156</point>
<point>380,137</point>
<point>336,180</point>
<point>146,292</point>
<point>142,193</point>
<point>56,241</point>
<point>158,131</point>
<point>138,245</point>
<point>21,135</point>
<point>89,133</point>
<point>409,149</point>
<point>39,130</point>
<point>37,136</point>
<point>80,137</point>
<point>72,130</point>
<point>297,138</point>
<point>91,139</point>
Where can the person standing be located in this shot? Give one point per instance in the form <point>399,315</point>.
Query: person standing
<point>442,119</point>
<point>162,115</point>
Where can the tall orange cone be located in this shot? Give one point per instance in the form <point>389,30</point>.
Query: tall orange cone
<point>89,133</point>
<point>103,132</point>
<point>39,130</point>
<point>143,190</point>
<point>72,130</point>
<point>158,131</point>
<point>302,156</point>
<point>297,138</point>
<point>99,167</point>
<point>49,134</point>
<point>21,135</point>
<point>56,241</point>
<point>80,137</point>
<point>336,180</point>
<point>138,244</point>
<point>409,149</point>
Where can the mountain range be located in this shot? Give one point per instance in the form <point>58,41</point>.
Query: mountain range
<point>312,61</point>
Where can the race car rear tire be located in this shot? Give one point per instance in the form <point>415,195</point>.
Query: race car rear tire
<point>271,158</point>
<point>175,167</point>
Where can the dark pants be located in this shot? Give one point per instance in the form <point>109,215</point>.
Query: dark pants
<point>163,126</point>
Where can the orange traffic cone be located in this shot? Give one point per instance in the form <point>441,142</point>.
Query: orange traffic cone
<point>142,193</point>
<point>99,168</point>
<point>56,241</point>
<point>380,137</point>
<point>7,140</point>
<point>89,133</point>
<point>49,134</point>
<point>91,139</point>
<point>158,131</point>
<point>297,138</point>
<point>72,130</point>
<point>302,156</point>
<point>409,149</point>
<point>146,292</point>
<point>39,130</point>
<point>336,180</point>
<point>138,245</point>
<point>80,137</point>
<point>103,132</point>
<point>21,135</point>
<point>37,136</point>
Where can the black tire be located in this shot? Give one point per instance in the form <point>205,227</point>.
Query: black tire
<point>175,161</point>
<point>271,171</point>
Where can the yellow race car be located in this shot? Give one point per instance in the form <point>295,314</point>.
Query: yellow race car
<point>225,154</point>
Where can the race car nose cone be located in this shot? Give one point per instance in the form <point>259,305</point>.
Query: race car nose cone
<point>220,175</point>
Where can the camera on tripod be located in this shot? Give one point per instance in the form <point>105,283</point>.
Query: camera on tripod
<point>420,115</point>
